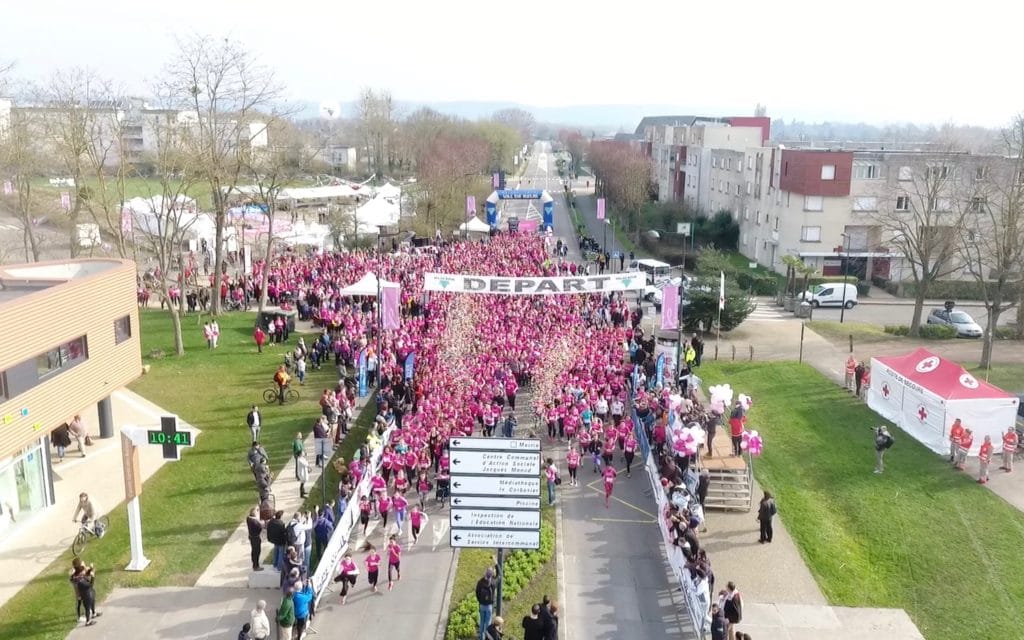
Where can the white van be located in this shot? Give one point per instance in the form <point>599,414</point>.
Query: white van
<point>656,270</point>
<point>831,293</point>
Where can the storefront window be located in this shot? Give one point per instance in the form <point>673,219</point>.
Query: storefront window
<point>22,487</point>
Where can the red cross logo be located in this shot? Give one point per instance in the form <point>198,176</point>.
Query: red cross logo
<point>921,413</point>
<point>885,390</point>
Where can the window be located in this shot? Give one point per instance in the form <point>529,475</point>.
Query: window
<point>938,172</point>
<point>728,187</point>
<point>939,204</point>
<point>814,203</point>
<point>746,213</point>
<point>1020,177</point>
<point>737,189</point>
<point>744,238</point>
<point>981,173</point>
<point>122,329</point>
<point>978,204</point>
<point>750,162</point>
<point>65,356</point>
<point>865,203</point>
<point>750,188</point>
<point>714,163</point>
<point>776,223</point>
<point>728,163</point>
<point>810,234</point>
<point>758,214</point>
<point>905,174</point>
<point>828,172</point>
<point>865,171</point>
<point>903,203</point>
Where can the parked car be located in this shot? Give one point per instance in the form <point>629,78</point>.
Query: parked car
<point>653,292</point>
<point>831,293</point>
<point>964,324</point>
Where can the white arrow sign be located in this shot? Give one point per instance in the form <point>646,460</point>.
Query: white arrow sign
<point>494,444</point>
<point>495,486</point>
<point>503,463</point>
<point>492,539</point>
<point>497,503</point>
<point>495,519</point>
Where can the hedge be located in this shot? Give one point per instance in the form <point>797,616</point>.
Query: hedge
<point>938,290</point>
<point>520,567</point>
<point>927,331</point>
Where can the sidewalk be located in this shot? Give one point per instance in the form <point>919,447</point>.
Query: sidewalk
<point>41,539</point>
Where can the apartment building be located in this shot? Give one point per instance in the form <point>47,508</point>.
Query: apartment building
<point>71,339</point>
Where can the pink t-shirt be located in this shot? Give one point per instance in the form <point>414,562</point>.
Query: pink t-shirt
<point>399,503</point>
<point>348,566</point>
<point>416,518</point>
<point>394,553</point>
<point>609,474</point>
<point>373,561</point>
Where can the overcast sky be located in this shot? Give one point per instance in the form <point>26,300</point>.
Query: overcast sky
<point>871,60</point>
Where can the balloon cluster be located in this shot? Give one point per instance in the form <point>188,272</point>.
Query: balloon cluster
<point>688,440</point>
<point>752,442</point>
<point>721,397</point>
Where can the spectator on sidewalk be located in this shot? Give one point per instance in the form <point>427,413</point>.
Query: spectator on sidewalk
<point>246,632</point>
<point>80,434</point>
<point>858,377</point>
<point>255,422</point>
<point>302,473</point>
<point>485,600</point>
<point>719,625</point>
<point>533,626</point>
<point>1009,447</point>
<point>255,528</point>
<point>303,600</point>
<point>84,580</point>
<point>278,536</point>
<point>766,510</point>
<point>298,447</point>
<point>286,616</point>
<point>494,630</point>
<point>851,372</point>
<point>984,458</point>
<point>733,607</point>
<point>259,624</point>
<point>882,443</point>
<point>61,440</point>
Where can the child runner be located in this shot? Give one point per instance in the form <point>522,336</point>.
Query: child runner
<point>572,461</point>
<point>394,561</point>
<point>372,566</point>
<point>364,512</point>
<point>347,576</point>
<point>416,521</point>
<point>609,474</point>
<point>629,447</point>
<point>399,504</point>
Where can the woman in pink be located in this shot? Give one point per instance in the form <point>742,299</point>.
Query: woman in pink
<point>423,488</point>
<point>347,575</point>
<point>401,482</point>
<point>378,485</point>
<point>629,450</point>
<point>417,518</point>
<point>399,504</point>
<point>394,561</point>
<point>364,512</point>
<point>609,474</point>
<point>608,451</point>
<point>572,461</point>
<point>383,506</point>
<point>372,566</point>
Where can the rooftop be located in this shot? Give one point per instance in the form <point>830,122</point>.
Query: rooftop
<point>22,279</point>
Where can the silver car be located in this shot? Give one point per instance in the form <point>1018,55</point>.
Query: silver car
<point>964,324</point>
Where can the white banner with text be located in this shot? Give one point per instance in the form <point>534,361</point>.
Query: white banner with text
<point>533,286</point>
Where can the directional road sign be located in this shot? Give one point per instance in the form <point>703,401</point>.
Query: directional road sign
<point>495,519</point>
<point>498,463</point>
<point>494,444</point>
<point>491,539</point>
<point>495,486</point>
<point>496,503</point>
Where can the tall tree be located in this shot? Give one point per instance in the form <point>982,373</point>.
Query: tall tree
<point>447,175</point>
<point>992,237</point>
<point>23,157</point>
<point>921,222</point>
<point>228,100</point>
<point>519,119</point>
<point>377,116</point>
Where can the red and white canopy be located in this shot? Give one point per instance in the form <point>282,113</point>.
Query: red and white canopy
<point>924,393</point>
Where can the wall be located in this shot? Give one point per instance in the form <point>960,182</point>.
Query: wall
<point>37,322</point>
<point>801,172</point>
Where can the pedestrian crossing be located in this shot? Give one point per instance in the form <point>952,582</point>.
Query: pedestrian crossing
<point>9,227</point>
<point>766,311</point>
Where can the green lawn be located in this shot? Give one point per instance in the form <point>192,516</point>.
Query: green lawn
<point>1009,377</point>
<point>921,537</point>
<point>189,507</point>
<point>840,332</point>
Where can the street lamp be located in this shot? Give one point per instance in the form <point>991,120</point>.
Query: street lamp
<point>846,271</point>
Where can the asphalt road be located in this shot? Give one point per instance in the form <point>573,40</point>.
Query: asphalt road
<point>900,311</point>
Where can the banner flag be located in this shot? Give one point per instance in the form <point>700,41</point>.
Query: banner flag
<point>363,390</point>
<point>8,188</point>
<point>669,307</point>
<point>126,222</point>
<point>470,207</point>
<point>721,292</point>
<point>389,307</point>
<point>533,286</point>
<point>600,208</point>
<point>65,200</point>
<point>410,365</point>
<point>659,367</point>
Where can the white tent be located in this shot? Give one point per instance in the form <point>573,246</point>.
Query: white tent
<point>378,212</point>
<point>389,191</point>
<point>302,233</point>
<point>474,225</point>
<point>923,394</point>
<point>367,286</point>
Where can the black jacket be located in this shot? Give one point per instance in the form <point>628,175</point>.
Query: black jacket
<point>719,627</point>
<point>276,533</point>
<point>484,592</point>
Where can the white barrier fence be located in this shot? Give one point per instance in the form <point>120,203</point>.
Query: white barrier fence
<point>338,544</point>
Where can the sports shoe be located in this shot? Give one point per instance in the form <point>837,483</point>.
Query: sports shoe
<point>81,618</point>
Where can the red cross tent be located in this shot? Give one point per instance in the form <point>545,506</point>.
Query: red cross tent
<point>923,394</point>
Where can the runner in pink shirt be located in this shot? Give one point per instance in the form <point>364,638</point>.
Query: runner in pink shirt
<point>383,506</point>
<point>423,488</point>
<point>347,575</point>
<point>417,519</point>
<point>399,504</point>
<point>394,561</point>
<point>372,567</point>
<point>609,474</point>
<point>401,482</point>
<point>629,450</point>
<point>365,507</point>
<point>572,461</point>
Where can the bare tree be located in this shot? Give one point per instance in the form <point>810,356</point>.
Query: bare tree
<point>377,115</point>
<point>992,238</point>
<point>23,158</point>
<point>230,100</point>
<point>446,176</point>
<point>519,119</point>
<point>921,222</point>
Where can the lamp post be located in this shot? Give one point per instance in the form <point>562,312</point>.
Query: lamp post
<point>846,270</point>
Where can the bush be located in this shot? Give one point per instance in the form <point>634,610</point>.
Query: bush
<point>1006,333</point>
<point>937,332</point>
<point>520,568</point>
<point>950,290</point>
<point>897,329</point>
<point>863,288</point>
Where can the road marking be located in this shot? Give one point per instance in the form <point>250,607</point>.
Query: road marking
<point>623,521</point>
<point>600,490</point>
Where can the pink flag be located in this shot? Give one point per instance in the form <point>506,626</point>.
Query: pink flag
<point>669,308</point>
<point>8,188</point>
<point>600,208</point>
<point>470,207</point>
<point>126,221</point>
<point>389,307</point>
<point>65,200</point>
<point>495,180</point>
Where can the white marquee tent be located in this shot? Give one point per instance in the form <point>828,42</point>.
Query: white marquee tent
<point>475,225</point>
<point>378,212</point>
<point>924,393</point>
<point>367,286</point>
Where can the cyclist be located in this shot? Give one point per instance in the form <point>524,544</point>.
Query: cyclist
<point>88,511</point>
<point>281,379</point>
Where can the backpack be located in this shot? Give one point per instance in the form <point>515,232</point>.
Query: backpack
<point>889,441</point>
<point>292,534</point>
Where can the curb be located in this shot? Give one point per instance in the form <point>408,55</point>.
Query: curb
<point>560,552</point>
<point>449,585</point>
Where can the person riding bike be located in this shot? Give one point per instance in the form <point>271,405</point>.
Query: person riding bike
<point>88,511</point>
<point>281,379</point>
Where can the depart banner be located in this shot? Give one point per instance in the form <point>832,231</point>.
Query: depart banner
<point>533,286</point>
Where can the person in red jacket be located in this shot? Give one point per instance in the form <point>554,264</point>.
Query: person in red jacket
<point>955,433</point>
<point>260,337</point>
<point>737,422</point>
<point>1009,447</point>
<point>984,458</point>
<point>965,445</point>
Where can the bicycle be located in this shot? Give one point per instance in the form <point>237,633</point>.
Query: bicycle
<point>96,529</point>
<point>270,396</point>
